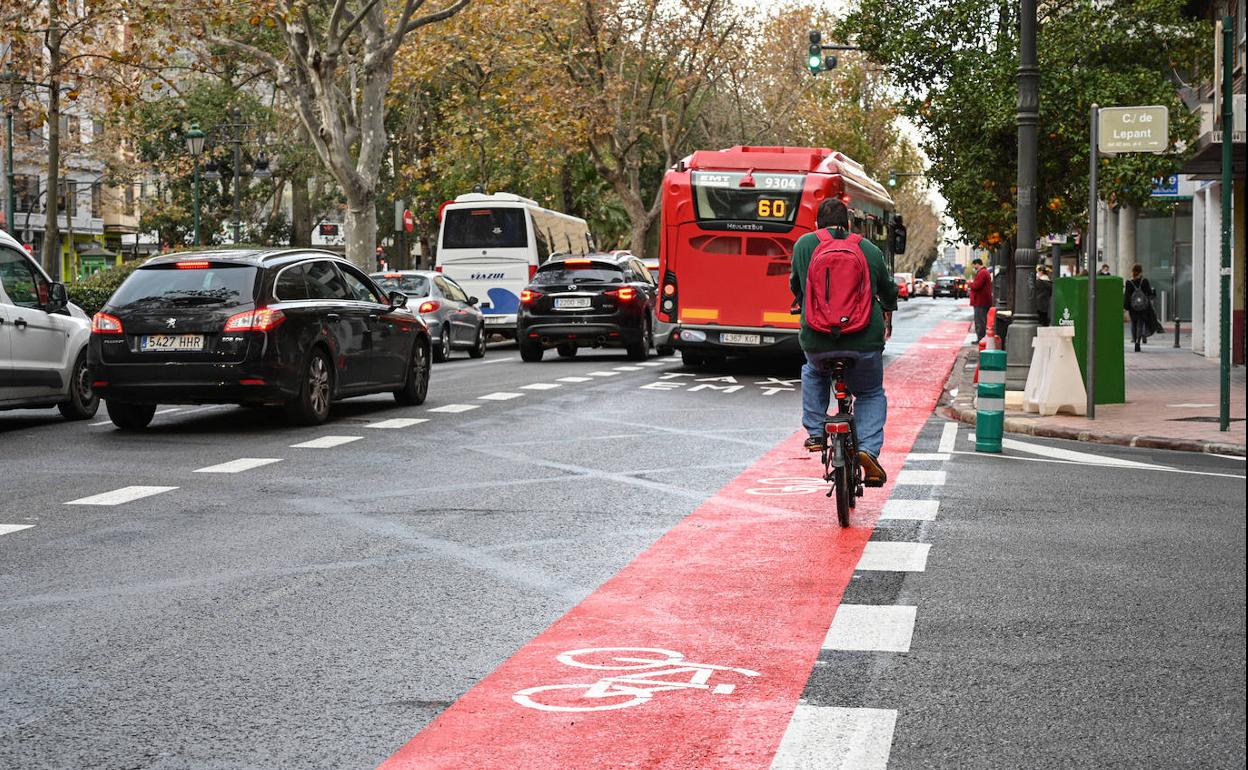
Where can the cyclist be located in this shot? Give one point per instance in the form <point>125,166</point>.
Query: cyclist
<point>865,380</point>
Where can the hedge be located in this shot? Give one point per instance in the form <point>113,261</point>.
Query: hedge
<point>92,293</point>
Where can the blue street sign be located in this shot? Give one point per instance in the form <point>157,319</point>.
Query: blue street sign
<point>1166,186</point>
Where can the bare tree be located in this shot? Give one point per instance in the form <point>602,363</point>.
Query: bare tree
<point>335,66</point>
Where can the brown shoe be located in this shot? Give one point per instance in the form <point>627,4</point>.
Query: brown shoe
<point>814,444</point>
<point>873,474</point>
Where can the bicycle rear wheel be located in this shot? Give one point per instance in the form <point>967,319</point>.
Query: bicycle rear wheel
<point>843,482</point>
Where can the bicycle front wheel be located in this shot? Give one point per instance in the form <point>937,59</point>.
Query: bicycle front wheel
<point>843,482</point>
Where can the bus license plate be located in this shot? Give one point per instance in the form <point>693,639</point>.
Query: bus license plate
<point>571,303</point>
<point>171,342</point>
<point>740,339</point>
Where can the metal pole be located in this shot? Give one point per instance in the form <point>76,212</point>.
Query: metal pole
<point>1228,137</point>
<point>238,161</point>
<point>197,200</point>
<point>1022,329</point>
<point>1174,265</point>
<point>10,198</point>
<point>1090,332</point>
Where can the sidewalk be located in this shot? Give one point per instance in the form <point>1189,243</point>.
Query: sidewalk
<point>1172,403</point>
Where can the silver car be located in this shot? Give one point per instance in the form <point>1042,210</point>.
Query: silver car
<point>455,322</point>
<point>43,340</point>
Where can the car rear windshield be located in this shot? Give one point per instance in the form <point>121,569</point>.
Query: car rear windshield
<point>414,285</point>
<point>556,274</point>
<point>218,284</point>
<point>485,228</point>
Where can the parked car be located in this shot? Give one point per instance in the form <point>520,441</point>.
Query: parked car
<point>964,287</point>
<point>292,327</point>
<point>43,340</point>
<point>903,286</point>
<point>455,322</point>
<point>603,300</point>
<point>922,288</point>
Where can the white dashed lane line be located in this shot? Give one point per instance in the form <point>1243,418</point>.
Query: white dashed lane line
<point>397,422</point>
<point>239,465</point>
<point>653,363</point>
<point>455,408</point>
<point>602,374</point>
<point>834,737</point>
<point>914,510</point>
<point>886,556</point>
<point>948,437</point>
<point>871,628</point>
<point>628,369</point>
<point>928,456</point>
<point>921,478</point>
<point>326,442</point>
<point>541,386</point>
<point>8,529</point>
<point>119,496</point>
<point>575,379</point>
<point>501,396</point>
<point>170,410</point>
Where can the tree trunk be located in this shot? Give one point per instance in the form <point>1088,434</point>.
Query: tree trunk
<point>300,213</point>
<point>51,231</point>
<point>361,235</point>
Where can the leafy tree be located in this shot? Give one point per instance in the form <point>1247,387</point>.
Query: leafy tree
<point>955,62</point>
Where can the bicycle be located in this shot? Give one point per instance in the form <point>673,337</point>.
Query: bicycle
<point>840,446</point>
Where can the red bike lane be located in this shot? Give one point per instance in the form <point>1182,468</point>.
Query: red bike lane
<point>750,580</point>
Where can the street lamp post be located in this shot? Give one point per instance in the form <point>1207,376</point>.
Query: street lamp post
<point>10,197</point>
<point>195,145</point>
<point>237,140</point>
<point>1022,329</point>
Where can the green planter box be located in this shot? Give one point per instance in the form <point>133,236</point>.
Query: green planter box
<point>1070,308</point>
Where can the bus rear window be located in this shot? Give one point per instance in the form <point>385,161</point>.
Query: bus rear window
<point>485,228</point>
<point>774,198</point>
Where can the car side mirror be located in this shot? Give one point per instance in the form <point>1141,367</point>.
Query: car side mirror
<point>473,300</point>
<point>58,298</point>
<point>397,299</point>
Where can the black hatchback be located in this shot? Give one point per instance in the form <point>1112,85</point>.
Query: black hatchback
<point>295,328</point>
<point>600,300</point>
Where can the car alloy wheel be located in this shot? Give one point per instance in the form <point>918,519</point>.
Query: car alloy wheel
<point>318,386</point>
<point>416,384</point>
<point>478,349</point>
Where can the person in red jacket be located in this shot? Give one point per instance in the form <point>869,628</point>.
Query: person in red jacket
<point>981,297</point>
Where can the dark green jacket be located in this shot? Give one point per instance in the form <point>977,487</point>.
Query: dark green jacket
<point>883,288</point>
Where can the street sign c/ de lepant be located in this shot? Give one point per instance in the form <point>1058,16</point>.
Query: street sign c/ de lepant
<point>1134,129</point>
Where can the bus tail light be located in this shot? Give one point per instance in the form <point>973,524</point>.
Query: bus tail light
<point>103,323</point>
<point>527,296</point>
<point>429,306</point>
<point>532,271</point>
<point>437,268</point>
<point>668,305</point>
<point>262,319</point>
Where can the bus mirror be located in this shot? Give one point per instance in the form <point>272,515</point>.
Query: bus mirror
<point>897,243</point>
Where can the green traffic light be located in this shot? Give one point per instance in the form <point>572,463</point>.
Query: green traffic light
<point>816,62</point>
<point>892,180</point>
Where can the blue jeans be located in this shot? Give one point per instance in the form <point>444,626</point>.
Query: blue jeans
<point>865,382</point>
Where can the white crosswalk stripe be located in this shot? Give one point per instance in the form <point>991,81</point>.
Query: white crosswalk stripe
<point>871,628</point>
<point>921,478</point>
<point>397,422</point>
<point>6,529</point>
<point>501,396</point>
<point>835,738</point>
<point>541,386</point>
<point>575,379</point>
<point>888,556</point>
<point>914,510</point>
<point>603,374</point>
<point>455,408</point>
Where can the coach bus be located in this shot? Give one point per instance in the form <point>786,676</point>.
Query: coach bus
<point>729,222</point>
<point>493,244</point>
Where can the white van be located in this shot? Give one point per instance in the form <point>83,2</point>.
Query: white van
<point>493,244</point>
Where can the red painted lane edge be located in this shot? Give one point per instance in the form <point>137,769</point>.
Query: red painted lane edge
<point>746,581</point>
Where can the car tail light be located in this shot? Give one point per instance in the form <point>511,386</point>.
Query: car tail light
<point>251,382</point>
<point>262,319</point>
<point>527,296</point>
<point>576,263</point>
<point>532,271</point>
<point>103,323</point>
<point>429,307</point>
<point>193,265</point>
<point>626,294</point>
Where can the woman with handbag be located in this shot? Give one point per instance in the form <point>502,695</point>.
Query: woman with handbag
<point>1137,300</point>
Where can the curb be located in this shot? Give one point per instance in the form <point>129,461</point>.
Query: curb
<point>948,408</point>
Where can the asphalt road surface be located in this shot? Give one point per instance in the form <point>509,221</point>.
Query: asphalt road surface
<point>226,591</point>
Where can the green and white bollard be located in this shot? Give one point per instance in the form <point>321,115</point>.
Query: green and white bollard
<point>990,406</point>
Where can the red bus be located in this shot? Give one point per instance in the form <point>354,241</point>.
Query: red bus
<point>729,222</point>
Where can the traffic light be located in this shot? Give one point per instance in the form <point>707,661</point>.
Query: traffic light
<point>815,60</point>
<point>892,179</point>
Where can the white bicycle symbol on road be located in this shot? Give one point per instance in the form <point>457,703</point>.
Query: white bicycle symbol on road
<point>656,671</point>
<point>789,485</point>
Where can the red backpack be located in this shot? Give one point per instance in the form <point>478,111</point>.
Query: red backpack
<point>838,286</point>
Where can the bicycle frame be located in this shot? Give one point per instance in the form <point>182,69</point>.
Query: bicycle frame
<point>841,445</point>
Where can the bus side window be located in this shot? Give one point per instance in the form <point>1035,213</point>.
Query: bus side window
<point>543,245</point>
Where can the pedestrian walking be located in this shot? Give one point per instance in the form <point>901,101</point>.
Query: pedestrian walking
<point>1104,269</point>
<point>1043,294</point>
<point>1137,300</point>
<point>381,259</point>
<point>981,297</point>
